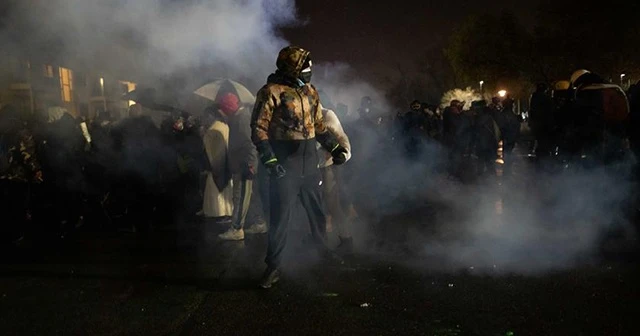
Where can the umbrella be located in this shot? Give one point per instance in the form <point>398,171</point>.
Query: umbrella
<point>210,91</point>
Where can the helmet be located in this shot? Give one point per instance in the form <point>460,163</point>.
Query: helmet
<point>291,60</point>
<point>561,85</point>
<point>577,74</point>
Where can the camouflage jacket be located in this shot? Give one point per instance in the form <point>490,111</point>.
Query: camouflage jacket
<point>287,113</point>
<point>19,158</point>
<point>287,109</point>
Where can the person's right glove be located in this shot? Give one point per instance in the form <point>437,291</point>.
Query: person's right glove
<point>275,169</point>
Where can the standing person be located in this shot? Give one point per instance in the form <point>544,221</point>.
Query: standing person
<point>452,126</point>
<point>412,128</point>
<point>334,193</point>
<point>242,162</point>
<point>286,123</point>
<point>486,138</point>
<point>509,124</point>
<point>137,140</point>
<point>541,120</point>
<point>62,168</point>
<point>218,191</point>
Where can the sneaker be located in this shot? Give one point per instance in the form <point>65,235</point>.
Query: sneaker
<point>270,277</point>
<point>256,229</point>
<point>232,234</point>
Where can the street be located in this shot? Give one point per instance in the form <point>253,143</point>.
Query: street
<point>185,282</point>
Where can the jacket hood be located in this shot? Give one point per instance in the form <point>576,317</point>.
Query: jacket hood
<point>290,61</point>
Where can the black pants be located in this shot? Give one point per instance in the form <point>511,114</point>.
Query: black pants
<point>284,193</point>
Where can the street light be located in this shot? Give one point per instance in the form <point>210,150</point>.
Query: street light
<point>104,99</point>
<point>502,93</point>
<point>621,79</point>
<point>481,82</point>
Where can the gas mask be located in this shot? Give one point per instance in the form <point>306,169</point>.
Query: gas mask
<point>305,74</point>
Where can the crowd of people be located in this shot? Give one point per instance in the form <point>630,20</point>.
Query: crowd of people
<point>246,165</point>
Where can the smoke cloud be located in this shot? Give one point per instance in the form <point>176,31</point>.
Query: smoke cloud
<point>342,85</point>
<point>151,38</point>
<point>530,222</point>
<point>547,222</point>
<point>534,223</point>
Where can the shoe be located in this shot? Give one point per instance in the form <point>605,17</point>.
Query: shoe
<point>345,246</point>
<point>232,234</point>
<point>270,277</point>
<point>200,213</point>
<point>256,229</point>
<point>225,220</point>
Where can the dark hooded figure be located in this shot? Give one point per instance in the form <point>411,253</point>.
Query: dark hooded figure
<point>486,137</point>
<point>286,122</point>
<point>432,127</point>
<point>541,119</point>
<point>600,114</point>
<point>62,163</point>
<point>457,133</point>
<point>412,130</point>
<point>509,124</point>
<point>138,142</point>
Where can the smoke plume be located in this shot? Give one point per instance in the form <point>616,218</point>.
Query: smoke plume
<point>151,38</point>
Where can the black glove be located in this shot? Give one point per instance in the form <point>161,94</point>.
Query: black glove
<point>268,157</point>
<point>275,169</point>
<point>339,155</point>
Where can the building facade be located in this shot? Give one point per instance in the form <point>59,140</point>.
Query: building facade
<point>34,87</point>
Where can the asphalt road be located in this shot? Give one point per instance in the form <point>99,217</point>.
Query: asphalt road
<point>185,282</point>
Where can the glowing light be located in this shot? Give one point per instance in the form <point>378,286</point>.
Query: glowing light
<point>502,93</point>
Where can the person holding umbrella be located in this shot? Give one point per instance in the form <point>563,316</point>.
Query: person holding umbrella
<point>234,100</point>
<point>286,122</point>
<point>242,162</point>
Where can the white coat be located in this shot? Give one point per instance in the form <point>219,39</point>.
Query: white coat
<point>217,203</point>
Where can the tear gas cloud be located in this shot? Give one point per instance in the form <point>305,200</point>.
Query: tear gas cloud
<point>151,38</point>
<point>342,85</point>
<point>531,223</point>
<point>548,224</point>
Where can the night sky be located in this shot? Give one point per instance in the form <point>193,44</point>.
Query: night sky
<point>375,35</point>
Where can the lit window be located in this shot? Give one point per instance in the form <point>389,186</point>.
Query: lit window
<point>66,84</point>
<point>47,70</point>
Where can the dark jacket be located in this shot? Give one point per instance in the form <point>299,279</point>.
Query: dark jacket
<point>540,110</point>
<point>487,133</point>
<point>242,151</point>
